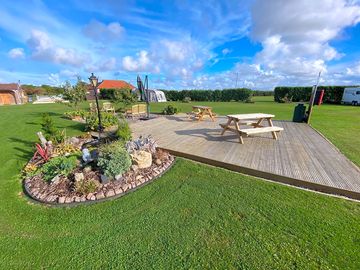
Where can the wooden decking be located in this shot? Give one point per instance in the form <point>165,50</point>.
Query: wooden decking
<point>301,156</point>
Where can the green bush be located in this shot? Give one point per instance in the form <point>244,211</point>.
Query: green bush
<point>84,187</point>
<point>51,133</point>
<point>238,94</point>
<point>72,114</point>
<point>170,110</point>
<point>58,166</point>
<point>114,159</point>
<point>107,120</point>
<point>124,131</point>
<point>332,94</point>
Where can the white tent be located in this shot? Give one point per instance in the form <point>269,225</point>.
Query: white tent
<point>156,96</point>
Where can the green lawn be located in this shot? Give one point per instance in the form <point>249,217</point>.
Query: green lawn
<point>195,216</point>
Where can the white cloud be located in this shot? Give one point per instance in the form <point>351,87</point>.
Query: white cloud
<point>101,32</point>
<point>140,63</point>
<point>171,58</point>
<point>16,53</point>
<point>295,35</point>
<point>226,51</point>
<point>44,49</point>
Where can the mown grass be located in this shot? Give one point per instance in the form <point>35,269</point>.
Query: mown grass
<point>195,216</point>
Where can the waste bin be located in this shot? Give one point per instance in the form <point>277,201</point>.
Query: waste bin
<point>299,113</point>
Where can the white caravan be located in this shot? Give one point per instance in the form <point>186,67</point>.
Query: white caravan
<point>351,96</point>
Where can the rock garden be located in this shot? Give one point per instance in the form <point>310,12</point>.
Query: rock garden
<point>74,170</point>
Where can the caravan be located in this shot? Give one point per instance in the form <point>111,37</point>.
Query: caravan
<point>351,96</point>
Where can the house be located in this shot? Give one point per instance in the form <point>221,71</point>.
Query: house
<point>109,84</point>
<point>12,93</point>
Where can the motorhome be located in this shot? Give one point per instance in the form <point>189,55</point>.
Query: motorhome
<point>351,96</point>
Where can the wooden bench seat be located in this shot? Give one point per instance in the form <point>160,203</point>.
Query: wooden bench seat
<point>250,131</point>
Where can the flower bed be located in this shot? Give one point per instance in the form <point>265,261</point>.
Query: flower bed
<point>81,173</point>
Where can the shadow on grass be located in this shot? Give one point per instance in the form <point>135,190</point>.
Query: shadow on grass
<point>25,151</point>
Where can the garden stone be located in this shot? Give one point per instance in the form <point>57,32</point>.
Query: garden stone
<point>125,187</point>
<point>68,199</point>
<point>100,195</point>
<point>61,199</point>
<point>74,140</point>
<point>93,198</point>
<point>118,177</point>
<point>55,180</point>
<point>110,193</point>
<point>158,162</point>
<point>104,179</point>
<point>135,168</point>
<point>88,197</point>
<point>87,169</point>
<point>142,159</point>
<point>79,177</point>
<point>139,177</point>
<point>83,198</point>
<point>118,190</point>
<point>77,199</point>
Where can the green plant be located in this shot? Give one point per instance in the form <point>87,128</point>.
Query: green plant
<point>114,159</point>
<point>170,110</point>
<point>75,94</point>
<point>107,120</point>
<point>30,170</point>
<point>123,132</point>
<point>58,166</point>
<point>77,113</point>
<point>84,187</point>
<point>50,131</point>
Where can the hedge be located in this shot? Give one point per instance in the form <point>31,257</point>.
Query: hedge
<point>332,94</point>
<point>108,93</point>
<point>238,94</point>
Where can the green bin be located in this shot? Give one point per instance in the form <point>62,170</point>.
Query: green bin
<point>299,113</point>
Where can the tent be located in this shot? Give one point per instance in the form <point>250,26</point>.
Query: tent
<point>156,95</point>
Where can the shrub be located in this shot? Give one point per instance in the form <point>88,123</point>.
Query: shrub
<point>332,94</point>
<point>124,131</point>
<point>84,187</point>
<point>78,113</point>
<point>114,159</point>
<point>170,110</point>
<point>58,166</point>
<point>238,94</point>
<point>107,120</point>
<point>50,131</point>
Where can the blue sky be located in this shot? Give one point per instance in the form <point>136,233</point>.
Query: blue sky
<point>182,44</point>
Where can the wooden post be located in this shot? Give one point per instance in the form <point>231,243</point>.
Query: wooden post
<point>312,99</point>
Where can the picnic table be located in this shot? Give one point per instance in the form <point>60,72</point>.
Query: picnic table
<point>200,112</point>
<point>235,121</point>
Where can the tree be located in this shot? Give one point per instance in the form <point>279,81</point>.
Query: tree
<point>124,96</point>
<point>75,94</point>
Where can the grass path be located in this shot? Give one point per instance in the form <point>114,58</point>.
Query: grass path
<point>195,216</point>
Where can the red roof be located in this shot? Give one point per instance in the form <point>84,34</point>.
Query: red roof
<point>8,86</point>
<point>114,84</point>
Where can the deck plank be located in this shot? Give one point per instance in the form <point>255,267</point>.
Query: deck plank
<point>301,156</point>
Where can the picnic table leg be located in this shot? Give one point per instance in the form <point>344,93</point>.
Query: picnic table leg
<point>226,126</point>
<point>271,125</point>
<point>211,115</point>
<point>239,132</point>
<point>257,124</point>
